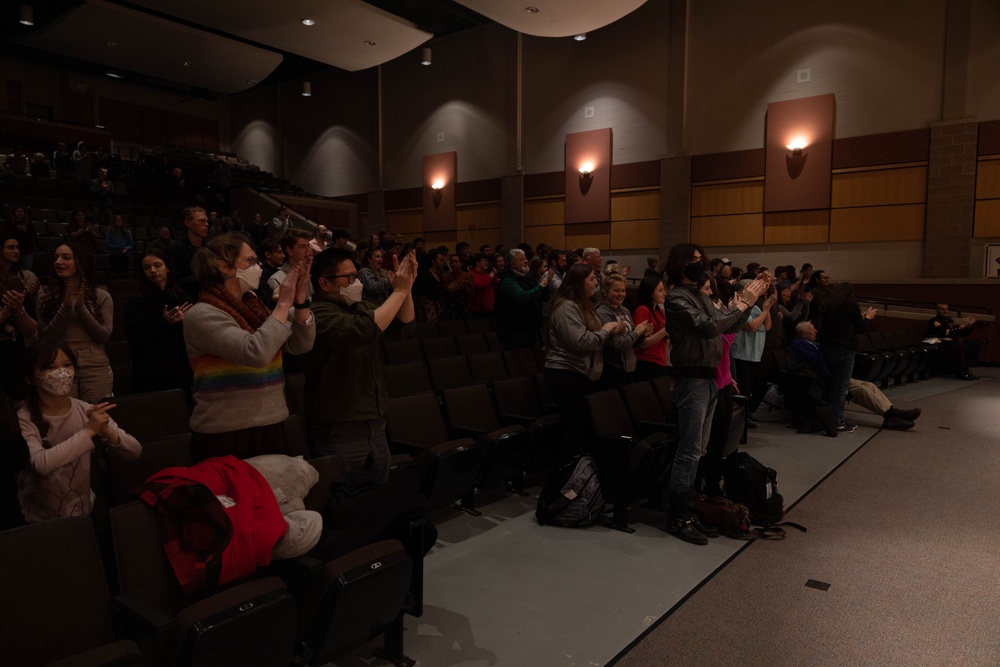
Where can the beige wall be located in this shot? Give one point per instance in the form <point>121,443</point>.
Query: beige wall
<point>467,96</point>
<point>984,61</point>
<point>254,128</point>
<point>883,61</point>
<point>620,70</point>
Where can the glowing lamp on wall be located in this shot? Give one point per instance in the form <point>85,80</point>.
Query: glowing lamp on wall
<point>437,184</point>
<point>586,176</point>
<point>797,144</point>
<point>587,168</point>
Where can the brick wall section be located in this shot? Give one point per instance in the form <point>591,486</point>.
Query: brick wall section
<point>675,202</point>
<point>951,192</point>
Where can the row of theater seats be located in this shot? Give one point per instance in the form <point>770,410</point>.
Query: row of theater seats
<point>896,356</point>
<point>303,611</point>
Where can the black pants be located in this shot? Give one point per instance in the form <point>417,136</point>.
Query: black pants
<point>750,378</point>
<point>710,470</point>
<point>648,370</point>
<point>567,389</point>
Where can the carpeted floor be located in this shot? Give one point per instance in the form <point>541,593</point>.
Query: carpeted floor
<point>906,535</point>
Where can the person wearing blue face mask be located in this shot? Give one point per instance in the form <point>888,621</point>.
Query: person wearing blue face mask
<point>345,395</point>
<point>235,345</point>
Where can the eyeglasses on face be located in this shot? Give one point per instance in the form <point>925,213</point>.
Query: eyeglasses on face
<point>351,277</point>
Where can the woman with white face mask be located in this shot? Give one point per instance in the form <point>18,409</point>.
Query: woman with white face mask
<point>61,431</point>
<point>235,344</point>
<point>154,324</point>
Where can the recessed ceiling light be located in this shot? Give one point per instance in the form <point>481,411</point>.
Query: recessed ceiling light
<point>531,10</point>
<point>308,22</point>
<point>112,45</point>
<point>580,37</point>
<point>27,15</point>
<point>113,75</point>
<point>186,63</point>
<point>100,127</point>
<point>369,42</point>
<point>252,82</point>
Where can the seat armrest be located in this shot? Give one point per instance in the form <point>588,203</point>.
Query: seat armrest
<point>142,617</point>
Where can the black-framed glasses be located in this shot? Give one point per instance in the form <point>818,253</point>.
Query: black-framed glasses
<point>351,277</point>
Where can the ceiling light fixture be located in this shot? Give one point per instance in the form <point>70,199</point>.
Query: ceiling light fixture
<point>307,89</point>
<point>581,37</point>
<point>27,15</point>
<point>113,75</point>
<point>186,63</point>
<point>425,56</point>
<point>308,22</point>
<point>531,10</point>
<point>369,42</point>
<point>112,45</point>
<point>252,82</point>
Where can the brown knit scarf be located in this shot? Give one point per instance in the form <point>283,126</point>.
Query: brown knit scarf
<point>249,312</point>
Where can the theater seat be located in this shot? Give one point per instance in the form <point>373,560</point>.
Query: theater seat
<point>248,623</point>
<point>154,414</point>
<point>57,600</point>
<point>518,403</point>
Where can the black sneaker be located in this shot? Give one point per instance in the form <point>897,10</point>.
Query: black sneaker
<point>685,530</point>
<point>846,427</point>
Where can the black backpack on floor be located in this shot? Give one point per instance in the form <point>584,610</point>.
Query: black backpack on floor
<point>750,482</point>
<point>572,497</point>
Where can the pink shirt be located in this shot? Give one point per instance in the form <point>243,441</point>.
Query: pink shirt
<point>724,371</point>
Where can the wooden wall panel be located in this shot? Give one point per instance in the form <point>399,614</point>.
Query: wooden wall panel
<point>554,235</point>
<point>406,223</point>
<point>988,179</point>
<point>477,237</point>
<point>727,198</point>
<point>879,223</point>
<point>728,230</point>
<point>628,234</point>
<point>544,212</point>
<point>880,187</point>
<point>588,235</point>
<point>435,239</point>
<point>635,205</point>
<point>797,227</point>
<point>987,219</point>
<point>480,216</point>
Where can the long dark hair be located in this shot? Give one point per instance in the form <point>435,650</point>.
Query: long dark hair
<point>646,289</point>
<point>572,289</point>
<point>679,257</point>
<point>86,269</point>
<point>148,288</point>
<point>10,278</point>
<point>40,354</point>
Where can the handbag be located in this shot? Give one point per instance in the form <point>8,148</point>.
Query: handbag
<point>732,519</point>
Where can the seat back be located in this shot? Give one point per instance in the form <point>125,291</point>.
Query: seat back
<point>355,598</point>
<point>663,386</point>
<point>643,405</point>
<point>449,373</point>
<point>487,368</point>
<point>516,399</point>
<point>57,596</point>
<point>330,468</point>
<point>439,348</point>
<point>415,421</point>
<point>520,362</point>
<point>479,325</point>
<point>153,415</point>
<point>127,475</point>
<point>407,379</point>
<point>452,327</point>
<point>470,408</point>
<point>608,413</point>
<point>472,344</point>
<point>403,351</point>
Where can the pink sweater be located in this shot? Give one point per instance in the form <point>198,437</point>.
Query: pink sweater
<point>57,483</point>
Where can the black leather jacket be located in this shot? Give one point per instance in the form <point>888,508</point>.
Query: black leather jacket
<point>695,326</point>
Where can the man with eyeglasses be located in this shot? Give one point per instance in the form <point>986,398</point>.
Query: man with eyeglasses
<point>346,398</point>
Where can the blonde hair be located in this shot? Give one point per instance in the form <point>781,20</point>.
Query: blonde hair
<point>219,251</point>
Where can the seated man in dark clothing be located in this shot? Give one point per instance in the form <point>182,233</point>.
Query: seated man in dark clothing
<point>805,351</point>
<point>963,353</point>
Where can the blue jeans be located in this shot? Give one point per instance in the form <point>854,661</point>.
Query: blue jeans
<point>695,399</point>
<point>840,359</point>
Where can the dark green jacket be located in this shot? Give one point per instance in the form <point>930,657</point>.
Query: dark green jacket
<point>344,370</point>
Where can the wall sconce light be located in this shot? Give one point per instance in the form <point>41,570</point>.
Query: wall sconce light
<point>27,15</point>
<point>437,185</point>
<point>796,145</point>
<point>586,176</point>
<point>307,89</point>
<point>425,56</point>
<point>586,168</point>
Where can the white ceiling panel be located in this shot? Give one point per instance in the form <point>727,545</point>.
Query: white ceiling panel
<point>348,34</point>
<point>154,47</point>
<point>554,18</point>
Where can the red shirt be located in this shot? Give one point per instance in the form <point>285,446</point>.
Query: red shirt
<point>657,352</point>
<point>484,292</point>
